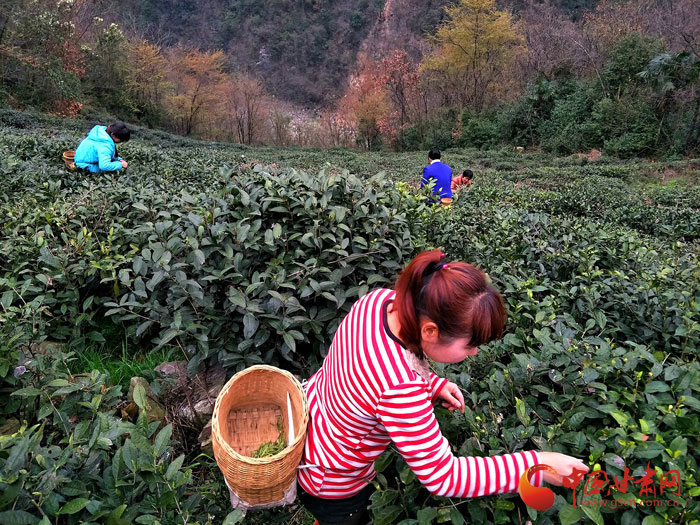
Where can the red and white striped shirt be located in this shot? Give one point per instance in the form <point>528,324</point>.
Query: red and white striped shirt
<point>367,395</point>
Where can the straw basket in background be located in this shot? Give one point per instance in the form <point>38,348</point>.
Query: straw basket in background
<point>246,415</point>
<point>69,159</point>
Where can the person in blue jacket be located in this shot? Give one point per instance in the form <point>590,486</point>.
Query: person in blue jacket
<point>441,173</point>
<point>98,151</point>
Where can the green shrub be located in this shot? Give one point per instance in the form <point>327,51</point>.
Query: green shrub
<point>630,56</point>
<point>271,261</point>
<point>629,125</point>
<point>78,463</point>
<point>478,132</point>
<point>590,365</point>
<point>519,122</point>
<point>438,137</point>
<point>410,139</point>
<point>17,119</point>
<point>570,130</point>
<point>260,267</point>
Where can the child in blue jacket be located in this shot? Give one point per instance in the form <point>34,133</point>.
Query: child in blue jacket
<point>98,151</point>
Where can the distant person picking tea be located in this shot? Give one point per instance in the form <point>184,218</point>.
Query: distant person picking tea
<point>97,152</point>
<point>463,180</point>
<point>441,173</point>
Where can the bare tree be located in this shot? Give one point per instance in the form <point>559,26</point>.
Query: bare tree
<point>550,36</point>
<point>245,104</point>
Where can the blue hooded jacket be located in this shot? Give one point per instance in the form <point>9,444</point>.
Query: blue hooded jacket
<point>97,152</point>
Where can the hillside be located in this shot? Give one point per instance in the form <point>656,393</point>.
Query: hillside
<point>303,49</point>
<point>232,256</point>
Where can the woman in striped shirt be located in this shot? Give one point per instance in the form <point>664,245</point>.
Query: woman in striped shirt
<point>375,387</point>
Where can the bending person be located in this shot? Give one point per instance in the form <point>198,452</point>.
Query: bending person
<point>375,387</point>
<point>98,151</point>
<point>465,179</point>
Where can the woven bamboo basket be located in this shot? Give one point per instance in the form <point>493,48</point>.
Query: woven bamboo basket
<point>246,415</point>
<point>69,159</point>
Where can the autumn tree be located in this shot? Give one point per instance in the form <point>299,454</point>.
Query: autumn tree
<point>304,131</point>
<point>550,36</point>
<point>146,78</point>
<point>475,49</point>
<point>281,122</point>
<point>198,80</point>
<point>40,63</point>
<point>108,66</point>
<point>676,23</point>
<point>365,104</point>
<point>679,26</point>
<point>399,75</point>
<point>245,107</point>
<point>337,128</point>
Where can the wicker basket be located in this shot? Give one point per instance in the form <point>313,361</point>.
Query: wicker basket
<point>69,159</point>
<point>245,416</point>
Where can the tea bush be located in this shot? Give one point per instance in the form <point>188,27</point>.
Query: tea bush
<point>600,362</point>
<point>271,260</point>
<point>277,255</point>
<point>672,215</point>
<point>78,463</point>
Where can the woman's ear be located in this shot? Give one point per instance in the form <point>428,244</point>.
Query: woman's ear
<point>429,332</point>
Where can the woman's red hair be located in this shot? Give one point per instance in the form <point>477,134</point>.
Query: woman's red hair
<point>456,296</point>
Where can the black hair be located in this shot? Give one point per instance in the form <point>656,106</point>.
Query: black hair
<point>434,153</point>
<point>120,131</point>
<point>468,174</point>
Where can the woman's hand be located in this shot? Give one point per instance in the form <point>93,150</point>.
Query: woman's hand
<point>452,398</point>
<point>563,464</point>
<point>124,164</point>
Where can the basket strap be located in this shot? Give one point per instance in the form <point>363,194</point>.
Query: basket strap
<point>304,386</point>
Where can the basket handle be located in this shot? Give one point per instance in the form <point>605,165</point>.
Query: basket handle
<point>290,439</point>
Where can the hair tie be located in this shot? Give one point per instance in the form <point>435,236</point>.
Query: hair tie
<point>436,266</point>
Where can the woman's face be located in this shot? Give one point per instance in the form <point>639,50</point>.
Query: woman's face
<point>451,352</point>
<point>444,350</point>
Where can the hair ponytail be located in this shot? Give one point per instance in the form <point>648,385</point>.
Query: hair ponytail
<point>408,287</point>
<point>454,295</point>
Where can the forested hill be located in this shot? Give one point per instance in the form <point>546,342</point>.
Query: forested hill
<point>304,49</point>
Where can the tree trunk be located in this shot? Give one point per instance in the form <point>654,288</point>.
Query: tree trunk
<point>691,139</point>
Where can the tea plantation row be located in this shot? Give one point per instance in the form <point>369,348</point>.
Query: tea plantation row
<point>252,262</point>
